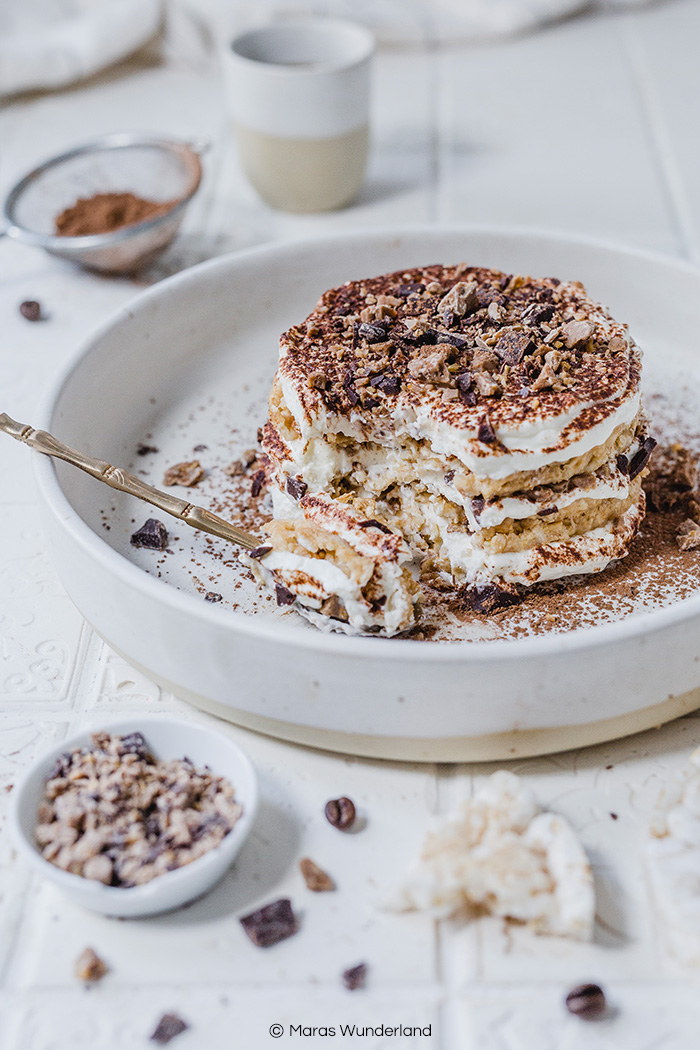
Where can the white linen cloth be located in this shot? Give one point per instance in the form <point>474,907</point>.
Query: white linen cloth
<point>49,43</point>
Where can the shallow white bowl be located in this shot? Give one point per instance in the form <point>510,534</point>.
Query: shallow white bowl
<point>168,738</point>
<point>203,346</point>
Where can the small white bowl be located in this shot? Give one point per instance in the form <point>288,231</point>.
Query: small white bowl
<point>168,738</point>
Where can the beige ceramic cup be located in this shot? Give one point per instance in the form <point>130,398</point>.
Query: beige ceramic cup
<point>299,93</point>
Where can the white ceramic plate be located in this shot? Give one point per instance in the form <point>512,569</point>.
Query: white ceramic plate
<point>189,363</point>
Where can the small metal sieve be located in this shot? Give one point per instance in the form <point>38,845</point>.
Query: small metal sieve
<point>149,167</point>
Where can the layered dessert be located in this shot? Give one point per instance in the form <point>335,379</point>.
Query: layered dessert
<point>455,426</point>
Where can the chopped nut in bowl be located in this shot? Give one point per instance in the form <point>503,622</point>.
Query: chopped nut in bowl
<point>138,816</point>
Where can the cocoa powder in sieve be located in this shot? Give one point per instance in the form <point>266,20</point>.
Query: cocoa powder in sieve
<point>107,212</point>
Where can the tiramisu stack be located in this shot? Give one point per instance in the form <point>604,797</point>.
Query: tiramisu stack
<point>473,428</point>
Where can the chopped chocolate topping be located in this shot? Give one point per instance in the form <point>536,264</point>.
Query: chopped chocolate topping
<point>213,596</point>
<point>372,333</point>
<point>296,488</point>
<point>167,1028</point>
<point>31,310</point>
<point>152,535</point>
<point>340,812</point>
<point>459,341</point>
<point>486,434</point>
<point>355,977</point>
<point>259,552</point>
<point>187,474</point>
<point>449,476</point>
<point>465,382</point>
<point>387,383</point>
<point>350,392</point>
<point>258,483</point>
<point>623,464</point>
<point>513,346</point>
<point>545,511</point>
<point>271,924</point>
<point>372,523</point>
<point>586,1001</point>
<point>641,458</point>
<point>134,744</point>
<point>489,597</point>
<point>283,595</point>
<point>315,878</point>
<point>478,504</point>
<point>146,450</point>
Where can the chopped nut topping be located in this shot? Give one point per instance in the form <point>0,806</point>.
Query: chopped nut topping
<point>187,474</point>
<point>315,878</point>
<point>461,299</point>
<point>577,332</point>
<point>89,967</point>
<point>688,537</point>
<point>114,813</point>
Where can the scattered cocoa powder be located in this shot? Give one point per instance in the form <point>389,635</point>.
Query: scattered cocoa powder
<point>107,212</point>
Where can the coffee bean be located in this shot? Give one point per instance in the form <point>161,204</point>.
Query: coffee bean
<point>340,812</point>
<point>30,310</point>
<point>586,1001</point>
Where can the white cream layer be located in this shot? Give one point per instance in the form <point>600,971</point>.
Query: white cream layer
<point>530,447</point>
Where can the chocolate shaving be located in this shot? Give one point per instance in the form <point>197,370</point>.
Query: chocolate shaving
<point>283,595</point>
<point>271,924</point>
<point>258,482</point>
<point>372,523</point>
<point>486,434</point>
<point>145,450</point>
<point>372,333</point>
<point>296,488</point>
<point>350,392</point>
<point>546,511</point>
<point>641,458</point>
<point>259,552</point>
<point>465,381</point>
<point>486,598</point>
<point>459,341</point>
<point>478,504</point>
<point>152,535</point>
<point>387,383</point>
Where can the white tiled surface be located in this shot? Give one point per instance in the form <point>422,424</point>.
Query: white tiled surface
<point>588,127</point>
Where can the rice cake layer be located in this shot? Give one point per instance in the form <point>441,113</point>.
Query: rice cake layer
<point>451,420</point>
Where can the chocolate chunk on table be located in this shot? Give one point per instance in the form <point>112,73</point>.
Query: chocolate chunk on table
<point>271,924</point>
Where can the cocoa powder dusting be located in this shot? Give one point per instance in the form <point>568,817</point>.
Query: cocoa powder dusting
<point>107,212</point>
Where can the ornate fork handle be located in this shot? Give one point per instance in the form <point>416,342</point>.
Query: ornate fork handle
<point>123,481</point>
